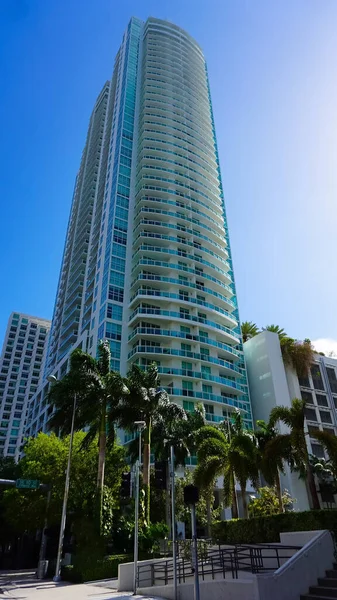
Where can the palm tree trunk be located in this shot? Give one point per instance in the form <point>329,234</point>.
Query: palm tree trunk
<point>209,514</point>
<point>279,491</point>
<point>146,469</point>
<point>167,501</point>
<point>312,487</point>
<point>101,452</point>
<point>235,512</point>
<point>244,501</point>
<point>101,466</point>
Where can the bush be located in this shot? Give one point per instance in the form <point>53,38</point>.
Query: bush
<point>267,529</point>
<point>87,570</point>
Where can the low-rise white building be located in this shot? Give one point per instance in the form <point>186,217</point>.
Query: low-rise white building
<point>272,383</point>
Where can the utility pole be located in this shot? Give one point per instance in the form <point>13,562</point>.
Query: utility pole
<point>173,527</point>
<point>140,425</point>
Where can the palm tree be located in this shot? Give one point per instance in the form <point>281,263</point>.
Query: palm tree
<point>248,330</point>
<point>297,355</point>
<point>99,393</point>
<point>329,442</point>
<point>175,427</point>
<point>294,418</point>
<point>276,329</point>
<point>232,454</point>
<point>274,449</point>
<point>145,402</point>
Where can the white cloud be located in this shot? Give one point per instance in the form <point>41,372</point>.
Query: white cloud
<point>326,345</point>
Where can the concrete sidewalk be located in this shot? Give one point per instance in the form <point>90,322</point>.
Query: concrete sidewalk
<point>19,586</point>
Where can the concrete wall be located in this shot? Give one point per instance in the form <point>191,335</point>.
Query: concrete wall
<point>300,572</point>
<point>231,589</point>
<point>270,385</point>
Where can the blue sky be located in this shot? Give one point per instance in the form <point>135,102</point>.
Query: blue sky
<point>273,76</point>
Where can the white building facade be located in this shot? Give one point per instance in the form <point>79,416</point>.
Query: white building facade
<point>21,367</point>
<point>271,384</point>
<point>147,261</point>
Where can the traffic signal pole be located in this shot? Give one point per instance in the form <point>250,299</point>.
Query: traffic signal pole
<point>140,425</point>
<point>173,515</point>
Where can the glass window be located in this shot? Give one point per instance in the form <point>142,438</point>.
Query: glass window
<point>331,373</point>
<point>317,450</point>
<point>188,405</point>
<point>325,416</point>
<point>307,396</point>
<point>207,389</point>
<point>187,388</point>
<point>321,400</point>
<point>317,377</point>
<point>310,414</point>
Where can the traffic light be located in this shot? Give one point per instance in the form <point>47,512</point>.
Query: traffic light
<point>160,475</point>
<point>126,485</point>
<point>191,494</point>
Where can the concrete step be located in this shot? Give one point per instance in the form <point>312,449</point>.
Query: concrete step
<point>328,582</point>
<point>317,590</point>
<point>331,573</point>
<point>315,597</point>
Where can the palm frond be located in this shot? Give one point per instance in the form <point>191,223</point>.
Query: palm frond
<point>212,447</point>
<point>103,357</point>
<point>281,413</point>
<point>209,432</point>
<point>207,471</point>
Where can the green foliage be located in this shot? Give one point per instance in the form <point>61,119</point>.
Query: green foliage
<point>298,355</point>
<point>248,330</point>
<point>230,451</point>
<point>46,459</point>
<point>87,569</point>
<point>276,329</point>
<point>149,537</point>
<point>183,513</point>
<point>98,392</point>
<point>267,502</point>
<point>8,468</point>
<point>259,530</point>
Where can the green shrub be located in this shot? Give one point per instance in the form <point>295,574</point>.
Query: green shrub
<point>89,570</point>
<point>268,529</point>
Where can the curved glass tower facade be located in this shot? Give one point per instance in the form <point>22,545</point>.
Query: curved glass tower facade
<point>155,266</point>
<point>182,300</point>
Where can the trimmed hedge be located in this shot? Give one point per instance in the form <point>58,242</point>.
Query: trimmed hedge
<point>268,529</point>
<point>105,568</point>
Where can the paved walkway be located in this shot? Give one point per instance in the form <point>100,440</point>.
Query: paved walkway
<point>23,585</point>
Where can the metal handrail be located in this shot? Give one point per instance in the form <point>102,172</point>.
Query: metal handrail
<point>250,558</point>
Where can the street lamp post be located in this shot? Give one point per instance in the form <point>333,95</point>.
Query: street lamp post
<point>140,426</point>
<point>57,576</point>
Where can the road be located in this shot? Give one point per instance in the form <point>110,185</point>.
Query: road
<point>23,585</point>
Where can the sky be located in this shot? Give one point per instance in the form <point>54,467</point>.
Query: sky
<point>273,77</point>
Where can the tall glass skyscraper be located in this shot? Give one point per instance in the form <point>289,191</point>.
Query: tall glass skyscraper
<point>147,261</point>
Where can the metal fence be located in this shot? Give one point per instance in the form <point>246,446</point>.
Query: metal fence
<point>257,558</point>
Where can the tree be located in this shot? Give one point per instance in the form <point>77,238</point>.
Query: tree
<point>297,355</point>
<point>232,454</point>
<point>267,503</point>
<point>178,428</point>
<point>276,329</point>
<point>294,418</point>
<point>146,402</point>
<point>45,459</point>
<point>99,393</point>
<point>329,442</point>
<point>273,449</point>
<point>183,512</point>
<point>248,330</point>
